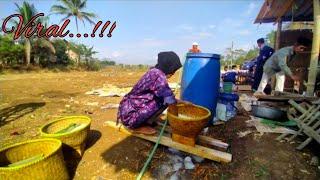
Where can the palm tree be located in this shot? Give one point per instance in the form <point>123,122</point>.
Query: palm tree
<point>88,53</point>
<point>73,8</point>
<point>28,11</point>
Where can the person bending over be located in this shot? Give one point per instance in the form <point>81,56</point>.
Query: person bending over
<point>150,96</point>
<point>277,65</point>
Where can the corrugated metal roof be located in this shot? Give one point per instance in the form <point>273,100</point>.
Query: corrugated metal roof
<point>286,10</point>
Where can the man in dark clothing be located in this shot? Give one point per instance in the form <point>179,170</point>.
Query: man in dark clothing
<point>264,54</point>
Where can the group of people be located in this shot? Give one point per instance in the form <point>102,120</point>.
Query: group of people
<point>151,95</point>
<point>270,63</point>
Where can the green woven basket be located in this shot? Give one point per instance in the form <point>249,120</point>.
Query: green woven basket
<point>75,139</point>
<point>50,166</point>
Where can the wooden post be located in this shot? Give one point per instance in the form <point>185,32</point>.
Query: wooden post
<point>277,47</point>
<point>313,68</point>
<point>279,27</point>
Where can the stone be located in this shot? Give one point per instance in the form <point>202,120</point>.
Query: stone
<point>197,158</point>
<point>177,166</point>
<point>188,164</point>
<point>175,158</point>
<point>314,161</point>
<point>173,151</point>
<point>175,176</point>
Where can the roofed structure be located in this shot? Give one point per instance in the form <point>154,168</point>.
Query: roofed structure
<point>285,10</point>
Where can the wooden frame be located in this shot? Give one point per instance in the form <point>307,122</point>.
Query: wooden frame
<point>198,150</point>
<point>308,122</point>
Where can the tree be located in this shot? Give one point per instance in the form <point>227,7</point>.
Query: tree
<point>107,62</point>
<point>10,52</point>
<point>239,55</point>
<point>73,8</point>
<point>271,38</point>
<point>28,11</point>
<point>87,53</point>
<point>61,49</point>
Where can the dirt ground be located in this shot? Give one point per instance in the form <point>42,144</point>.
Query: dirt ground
<point>29,100</point>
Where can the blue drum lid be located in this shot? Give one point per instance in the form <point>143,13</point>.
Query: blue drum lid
<point>203,55</point>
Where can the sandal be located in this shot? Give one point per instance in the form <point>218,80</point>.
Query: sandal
<point>146,130</point>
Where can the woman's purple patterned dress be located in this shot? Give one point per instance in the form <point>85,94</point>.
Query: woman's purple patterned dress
<point>151,93</point>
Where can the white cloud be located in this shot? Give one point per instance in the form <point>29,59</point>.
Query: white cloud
<point>244,32</point>
<point>185,27</point>
<point>205,34</point>
<point>117,54</point>
<point>245,47</point>
<point>230,22</point>
<point>250,8</point>
<point>152,42</point>
<point>212,26</point>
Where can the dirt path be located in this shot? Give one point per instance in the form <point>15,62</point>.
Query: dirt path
<point>30,100</point>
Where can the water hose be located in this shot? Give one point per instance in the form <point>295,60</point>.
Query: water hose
<point>146,164</point>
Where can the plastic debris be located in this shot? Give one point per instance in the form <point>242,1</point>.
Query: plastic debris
<point>92,104</point>
<point>110,106</point>
<point>165,169</point>
<point>314,161</point>
<point>244,133</point>
<point>197,158</point>
<point>175,176</point>
<point>205,130</point>
<point>246,101</point>
<point>174,151</point>
<point>110,91</point>
<point>188,164</point>
<point>177,166</point>
<point>176,158</point>
<point>262,128</point>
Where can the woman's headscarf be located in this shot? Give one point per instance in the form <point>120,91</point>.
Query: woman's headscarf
<point>168,62</point>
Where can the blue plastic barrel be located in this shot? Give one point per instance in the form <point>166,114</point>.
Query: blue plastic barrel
<point>201,79</point>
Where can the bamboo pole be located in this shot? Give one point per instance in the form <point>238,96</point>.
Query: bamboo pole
<point>313,68</point>
<point>279,27</point>
<point>277,47</point>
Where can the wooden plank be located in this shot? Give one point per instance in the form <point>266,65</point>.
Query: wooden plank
<point>244,88</point>
<point>285,98</point>
<point>202,139</point>
<point>213,142</point>
<point>284,9</point>
<point>166,141</point>
<point>304,144</point>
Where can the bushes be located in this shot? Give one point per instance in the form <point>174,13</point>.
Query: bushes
<point>61,49</point>
<point>94,66</point>
<point>10,52</point>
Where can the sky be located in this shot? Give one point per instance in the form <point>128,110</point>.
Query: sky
<point>145,28</point>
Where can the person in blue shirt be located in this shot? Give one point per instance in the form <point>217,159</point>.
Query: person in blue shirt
<point>230,76</point>
<point>264,54</point>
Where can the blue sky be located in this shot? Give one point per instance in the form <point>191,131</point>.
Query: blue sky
<point>145,28</point>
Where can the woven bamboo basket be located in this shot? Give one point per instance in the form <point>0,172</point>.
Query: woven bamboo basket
<point>77,139</point>
<point>187,121</point>
<point>51,166</point>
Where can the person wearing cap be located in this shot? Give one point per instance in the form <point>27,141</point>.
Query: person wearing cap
<point>195,48</point>
<point>264,54</point>
<point>150,96</point>
<point>277,65</point>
